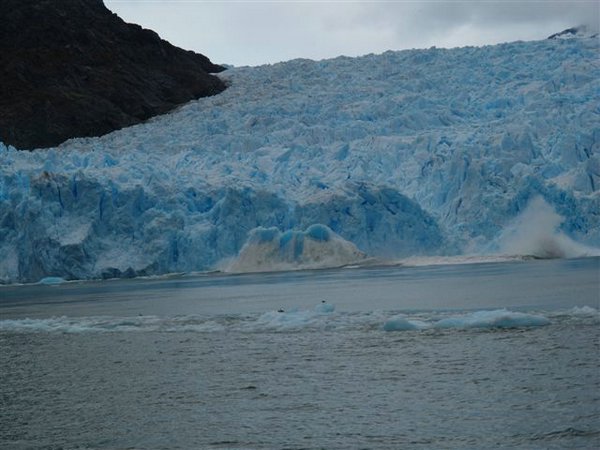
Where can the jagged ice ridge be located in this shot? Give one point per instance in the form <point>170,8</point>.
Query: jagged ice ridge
<point>405,153</point>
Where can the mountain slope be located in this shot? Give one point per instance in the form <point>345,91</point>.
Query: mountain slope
<point>72,68</point>
<point>413,152</point>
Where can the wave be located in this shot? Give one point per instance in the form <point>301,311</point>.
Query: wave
<point>322,317</point>
<point>419,261</point>
<point>51,281</point>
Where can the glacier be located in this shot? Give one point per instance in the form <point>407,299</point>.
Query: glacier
<point>415,152</point>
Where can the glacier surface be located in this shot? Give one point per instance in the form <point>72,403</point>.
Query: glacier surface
<point>417,152</point>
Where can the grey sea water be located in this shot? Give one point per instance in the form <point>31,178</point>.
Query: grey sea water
<point>500,355</point>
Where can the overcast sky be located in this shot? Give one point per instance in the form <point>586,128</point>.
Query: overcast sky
<point>259,32</point>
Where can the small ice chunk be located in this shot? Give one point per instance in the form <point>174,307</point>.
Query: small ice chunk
<point>52,280</point>
<point>401,323</point>
<point>324,307</point>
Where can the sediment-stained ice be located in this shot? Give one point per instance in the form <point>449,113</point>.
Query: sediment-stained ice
<point>318,247</point>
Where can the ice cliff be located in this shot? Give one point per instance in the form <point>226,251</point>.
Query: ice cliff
<point>412,152</point>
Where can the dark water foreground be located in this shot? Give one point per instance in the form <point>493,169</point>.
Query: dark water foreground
<point>476,356</point>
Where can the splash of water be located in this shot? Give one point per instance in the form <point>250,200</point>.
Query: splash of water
<point>535,232</point>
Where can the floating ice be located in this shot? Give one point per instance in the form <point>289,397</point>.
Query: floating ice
<point>295,318</point>
<point>500,318</point>
<point>401,323</point>
<point>55,324</point>
<point>481,319</point>
<point>321,317</point>
<point>584,311</point>
<point>324,307</point>
<point>52,280</point>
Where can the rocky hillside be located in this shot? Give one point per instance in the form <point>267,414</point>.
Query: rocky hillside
<point>71,68</point>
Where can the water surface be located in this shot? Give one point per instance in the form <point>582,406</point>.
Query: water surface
<point>208,362</point>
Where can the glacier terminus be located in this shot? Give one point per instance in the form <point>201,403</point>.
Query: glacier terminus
<point>305,163</point>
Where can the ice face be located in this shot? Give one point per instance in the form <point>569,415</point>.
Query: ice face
<point>406,153</point>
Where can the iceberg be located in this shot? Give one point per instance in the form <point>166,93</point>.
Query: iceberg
<point>408,153</point>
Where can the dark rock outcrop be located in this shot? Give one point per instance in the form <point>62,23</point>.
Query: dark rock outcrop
<point>72,68</point>
<point>582,31</point>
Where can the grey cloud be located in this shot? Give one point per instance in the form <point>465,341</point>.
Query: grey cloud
<point>450,24</point>
<point>265,32</point>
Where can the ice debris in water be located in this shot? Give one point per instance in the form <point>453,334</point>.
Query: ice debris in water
<point>324,307</point>
<point>320,317</point>
<point>52,280</point>
<point>500,318</point>
<point>295,318</point>
<point>401,323</point>
<point>584,311</point>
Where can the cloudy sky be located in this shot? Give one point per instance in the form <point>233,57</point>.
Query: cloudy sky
<point>258,32</point>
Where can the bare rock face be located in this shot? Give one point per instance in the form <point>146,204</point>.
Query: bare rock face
<point>72,68</point>
<point>582,31</point>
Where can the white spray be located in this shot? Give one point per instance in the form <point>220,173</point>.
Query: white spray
<point>535,232</point>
